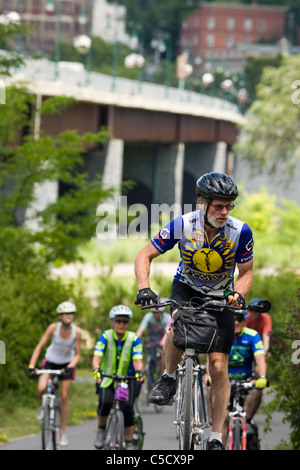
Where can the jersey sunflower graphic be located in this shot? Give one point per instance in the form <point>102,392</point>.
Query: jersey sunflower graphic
<point>218,256</point>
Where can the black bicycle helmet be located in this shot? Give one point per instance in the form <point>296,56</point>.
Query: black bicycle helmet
<point>216,186</point>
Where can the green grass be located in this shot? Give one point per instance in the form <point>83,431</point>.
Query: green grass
<point>18,416</point>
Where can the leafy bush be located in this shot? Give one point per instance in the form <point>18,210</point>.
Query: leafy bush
<point>285,366</point>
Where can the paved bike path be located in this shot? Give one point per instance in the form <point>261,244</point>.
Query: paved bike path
<point>160,433</point>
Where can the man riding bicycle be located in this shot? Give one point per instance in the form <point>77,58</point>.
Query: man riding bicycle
<point>247,349</point>
<point>117,351</point>
<point>155,324</point>
<point>211,245</point>
<point>260,322</point>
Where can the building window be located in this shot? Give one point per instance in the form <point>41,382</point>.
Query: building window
<point>230,24</point>
<point>261,26</point>
<point>211,22</point>
<point>248,24</point>
<point>210,40</point>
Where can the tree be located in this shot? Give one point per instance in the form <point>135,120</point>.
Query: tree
<point>285,350</point>
<point>10,28</point>
<point>270,135</point>
<point>23,164</point>
<point>29,295</point>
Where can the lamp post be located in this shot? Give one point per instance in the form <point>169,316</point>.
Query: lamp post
<point>136,59</point>
<point>83,43</point>
<point>50,8</point>
<point>118,17</point>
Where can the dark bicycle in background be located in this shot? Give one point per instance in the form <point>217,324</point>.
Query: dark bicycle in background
<point>152,372</point>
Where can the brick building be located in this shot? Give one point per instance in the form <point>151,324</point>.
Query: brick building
<point>70,17</point>
<point>219,32</point>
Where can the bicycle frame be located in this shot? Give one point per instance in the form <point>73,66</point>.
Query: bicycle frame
<point>50,401</point>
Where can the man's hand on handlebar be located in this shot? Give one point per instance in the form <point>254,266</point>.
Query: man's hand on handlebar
<point>97,375</point>
<point>139,375</point>
<point>146,297</point>
<point>236,299</point>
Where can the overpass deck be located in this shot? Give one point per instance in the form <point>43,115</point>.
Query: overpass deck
<point>93,87</point>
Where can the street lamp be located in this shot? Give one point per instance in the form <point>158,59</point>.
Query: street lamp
<point>207,80</point>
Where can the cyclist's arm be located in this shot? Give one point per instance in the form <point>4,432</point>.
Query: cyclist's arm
<point>96,363</point>
<point>261,366</point>
<point>140,331</point>
<point>138,366</point>
<point>142,265</point>
<point>41,344</point>
<point>245,278</point>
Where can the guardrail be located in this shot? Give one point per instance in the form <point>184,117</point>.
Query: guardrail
<point>75,74</point>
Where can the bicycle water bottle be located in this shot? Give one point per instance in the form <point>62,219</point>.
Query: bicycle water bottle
<point>49,387</point>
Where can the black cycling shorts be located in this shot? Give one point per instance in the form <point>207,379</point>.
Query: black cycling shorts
<point>182,292</point>
<point>51,365</point>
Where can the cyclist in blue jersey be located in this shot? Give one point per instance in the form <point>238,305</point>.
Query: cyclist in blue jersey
<point>211,245</point>
<point>247,349</point>
<point>117,351</point>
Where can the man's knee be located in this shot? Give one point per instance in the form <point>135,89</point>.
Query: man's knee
<point>218,366</point>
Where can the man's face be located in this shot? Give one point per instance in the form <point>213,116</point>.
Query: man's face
<point>239,323</point>
<point>121,324</point>
<point>218,212</point>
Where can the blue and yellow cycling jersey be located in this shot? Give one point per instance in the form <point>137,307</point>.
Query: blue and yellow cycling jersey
<point>243,351</point>
<point>205,263</point>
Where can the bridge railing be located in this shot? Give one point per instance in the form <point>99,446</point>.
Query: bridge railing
<point>75,74</point>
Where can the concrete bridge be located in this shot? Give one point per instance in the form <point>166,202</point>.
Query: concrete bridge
<point>163,138</point>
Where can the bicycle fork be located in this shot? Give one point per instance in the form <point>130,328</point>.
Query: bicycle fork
<point>241,417</point>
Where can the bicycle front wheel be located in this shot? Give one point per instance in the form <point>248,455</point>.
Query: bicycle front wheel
<point>115,431</point>
<point>46,428</point>
<point>237,435</point>
<point>138,435</point>
<point>186,411</point>
<point>55,423</point>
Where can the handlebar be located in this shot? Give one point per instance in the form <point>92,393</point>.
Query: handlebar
<point>243,385</point>
<point>47,371</point>
<point>206,304</point>
<point>211,301</point>
<point>116,377</point>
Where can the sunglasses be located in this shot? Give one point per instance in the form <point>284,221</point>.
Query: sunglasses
<point>120,320</point>
<point>239,318</point>
<point>220,207</point>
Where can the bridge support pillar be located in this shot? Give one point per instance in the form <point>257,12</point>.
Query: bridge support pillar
<point>201,158</point>
<point>113,166</point>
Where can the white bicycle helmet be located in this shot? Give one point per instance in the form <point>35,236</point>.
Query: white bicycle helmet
<point>120,310</point>
<point>66,307</point>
